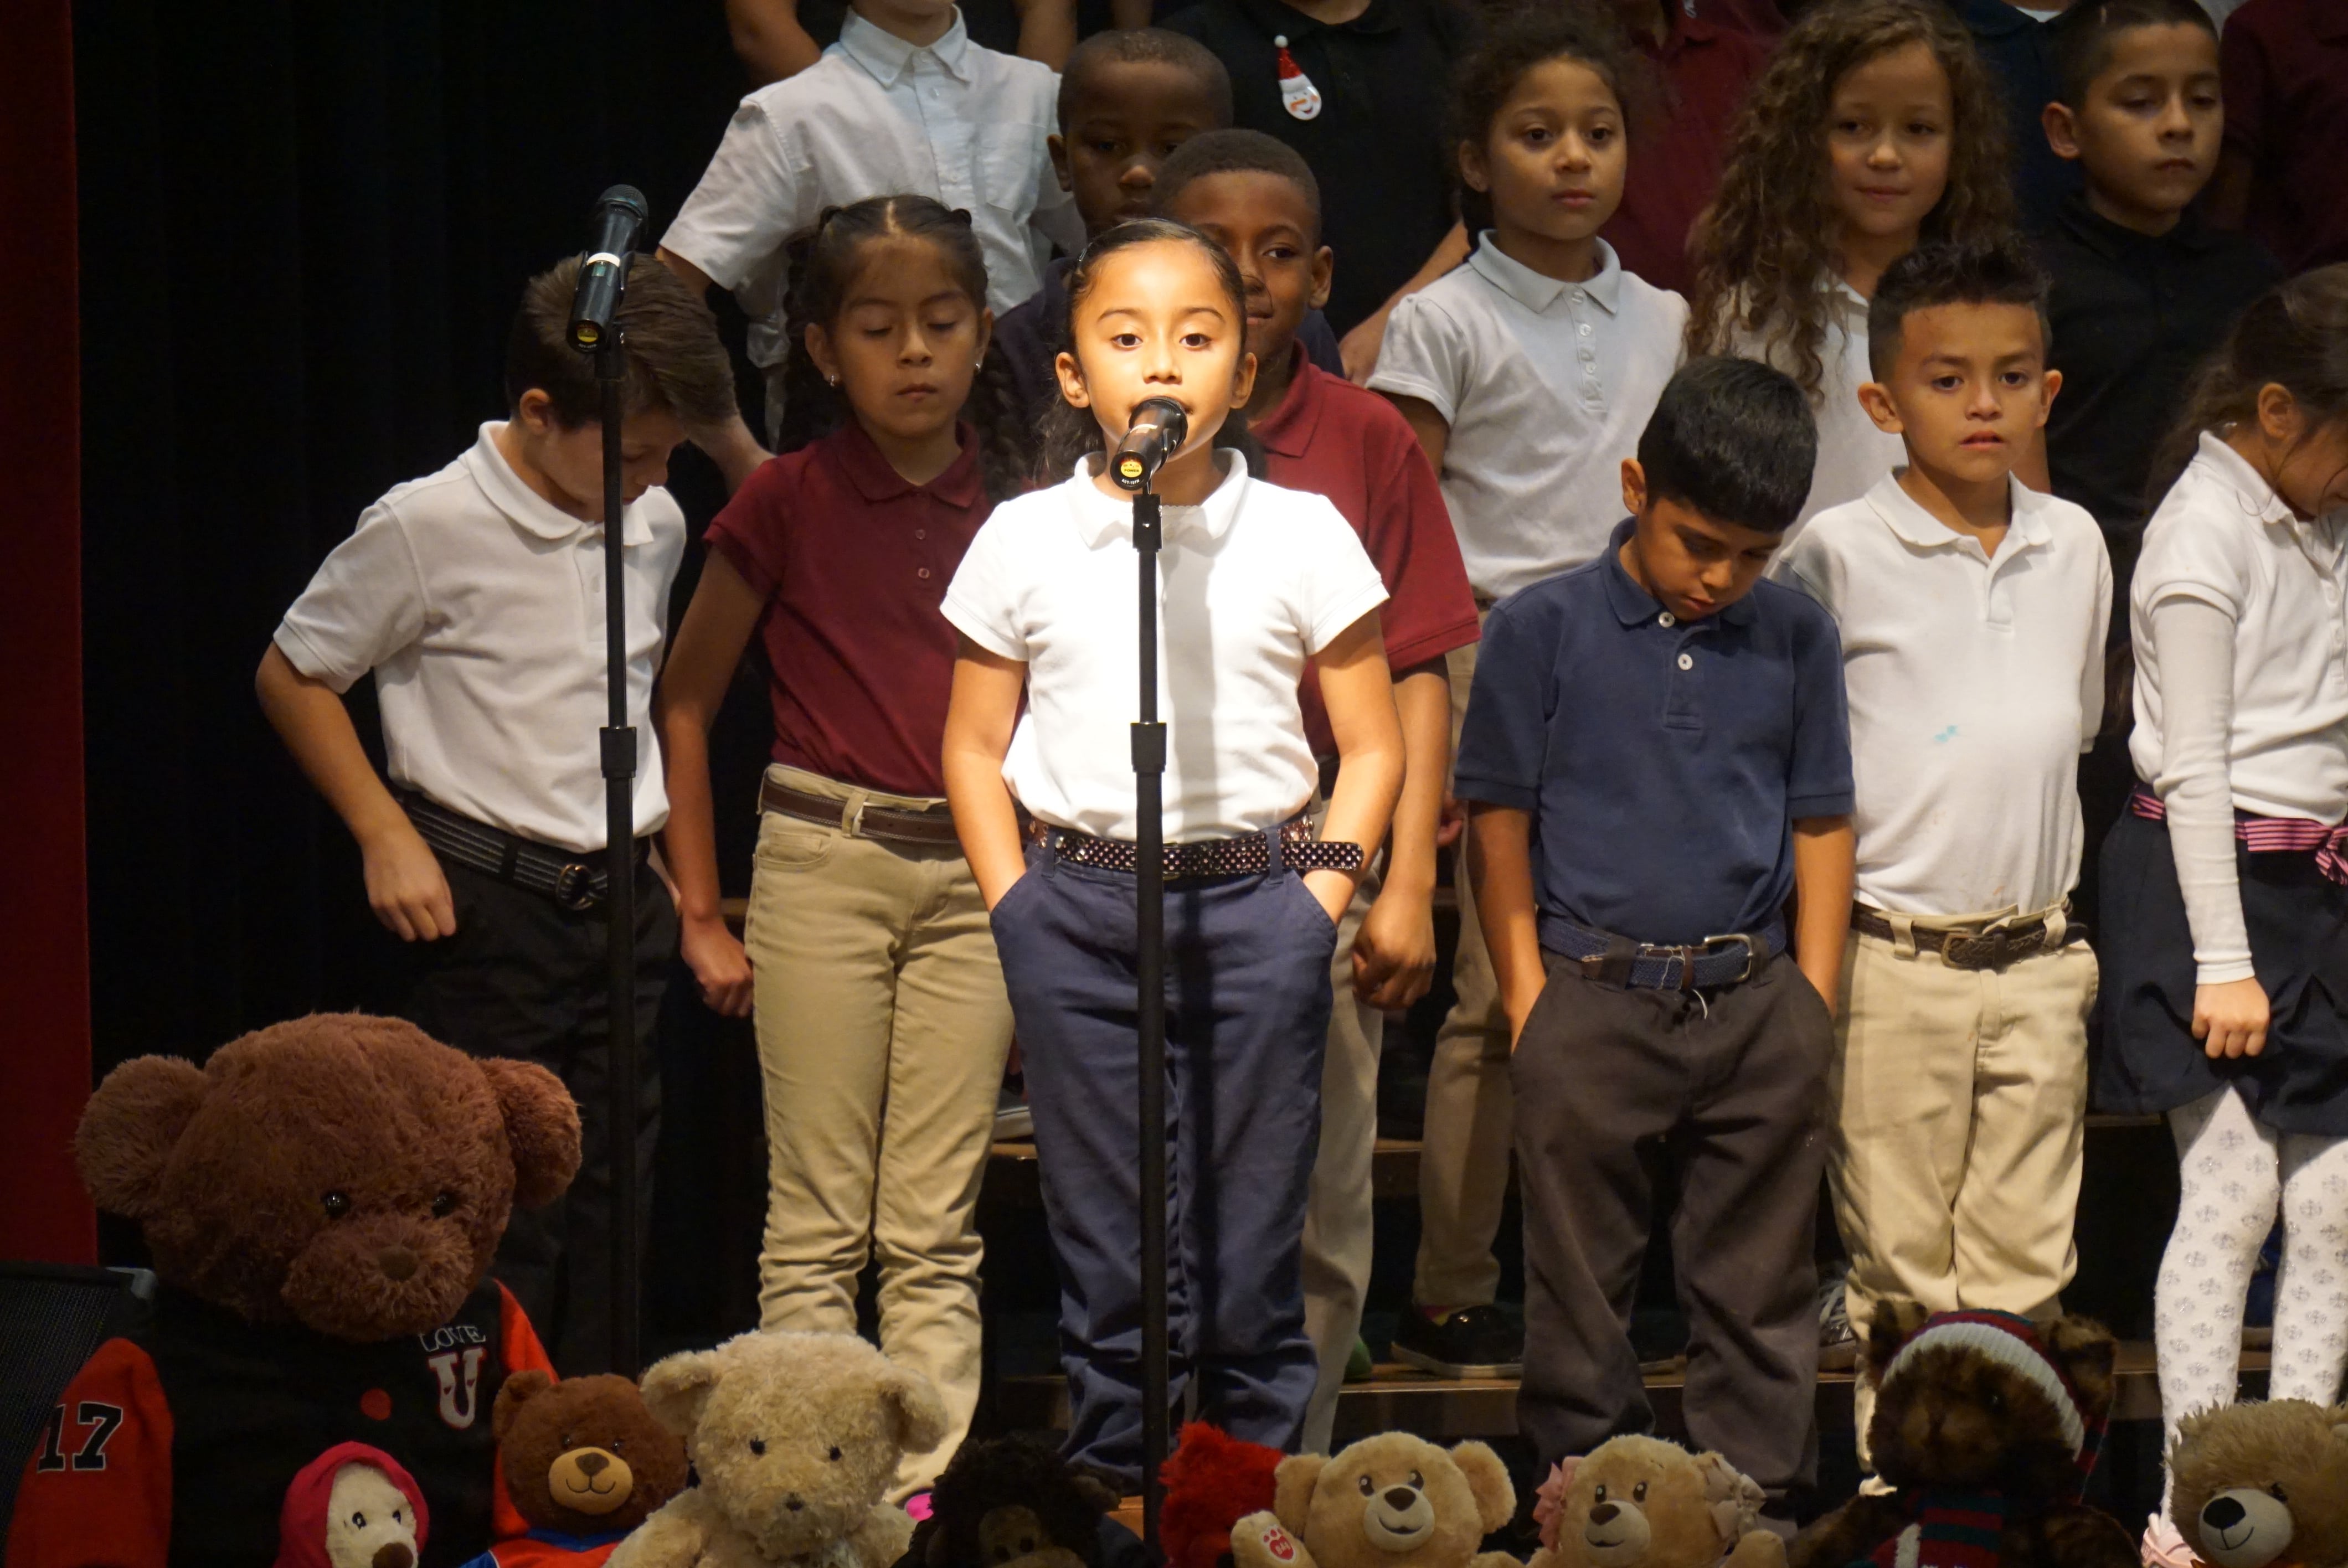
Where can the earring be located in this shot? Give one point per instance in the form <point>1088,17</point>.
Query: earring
<point>831,381</point>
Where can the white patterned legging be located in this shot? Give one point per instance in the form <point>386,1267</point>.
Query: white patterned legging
<point>2235,1174</point>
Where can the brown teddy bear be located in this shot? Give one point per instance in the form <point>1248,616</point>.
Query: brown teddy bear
<point>1641,1503</point>
<point>1393,1500</point>
<point>795,1437</point>
<point>1983,1422</point>
<point>584,1462</point>
<point>2262,1485</point>
<point>1013,1502</point>
<point>322,1199</point>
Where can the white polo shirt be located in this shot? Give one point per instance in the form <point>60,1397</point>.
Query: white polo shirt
<point>1974,683</point>
<point>1546,385</point>
<point>1250,584</point>
<point>876,115</point>
<point>2223,537</point>
<point>479,607</point>
<point>1853,452</point>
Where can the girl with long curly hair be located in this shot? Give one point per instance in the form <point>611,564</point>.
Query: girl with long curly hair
<point>1876,128</point>
<point>881,1019</point>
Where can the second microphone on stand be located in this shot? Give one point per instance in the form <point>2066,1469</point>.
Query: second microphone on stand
<point>1158,428</point>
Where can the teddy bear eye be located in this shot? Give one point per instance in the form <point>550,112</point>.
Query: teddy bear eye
<point>757,1445</point>
<point>1639,1492</point>
<point>2275,1491</point>
<point>359,1521</point>
<point>1418,1480</point>
<point>616,1444</point>
<point>336,1204</point>
<point>1600,1495</point>
<point>444,1206</point>
<point>1365,1484</point>
<point>834,1455</point>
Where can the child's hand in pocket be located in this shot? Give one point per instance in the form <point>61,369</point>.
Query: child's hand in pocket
<point>2230,1019</point>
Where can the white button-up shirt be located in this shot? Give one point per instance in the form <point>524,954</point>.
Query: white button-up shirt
<point>1250,584</point>
<point>1974,681</point>
<point>1546,385</point>
<point>479,605</point>
<point>1854,452</point>
<point>874,117</point>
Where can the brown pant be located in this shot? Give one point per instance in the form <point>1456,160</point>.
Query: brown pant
<point>1730,1089</point>
<point>882,1027</point>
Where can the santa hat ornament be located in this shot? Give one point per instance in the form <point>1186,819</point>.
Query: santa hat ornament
<point>1298,95</point>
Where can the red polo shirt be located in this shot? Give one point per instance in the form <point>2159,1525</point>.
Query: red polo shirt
<point>2285,64</point>
<point>1338,440</point>
<point>853,562</point>
<point>1704,69</point>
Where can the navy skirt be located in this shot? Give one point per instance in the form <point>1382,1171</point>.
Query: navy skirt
<point>2298,922</point>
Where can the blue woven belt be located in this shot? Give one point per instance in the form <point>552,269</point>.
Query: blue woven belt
<point>1698,965</point>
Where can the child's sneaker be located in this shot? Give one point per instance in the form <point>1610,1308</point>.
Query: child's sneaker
<point>1837,1346</point>
<point>1468,1342</point>
<point>2164,1547</point>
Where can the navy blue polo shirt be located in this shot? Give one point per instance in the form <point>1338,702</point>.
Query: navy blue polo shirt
<point>1663,762</point>
<point>2019,50</point>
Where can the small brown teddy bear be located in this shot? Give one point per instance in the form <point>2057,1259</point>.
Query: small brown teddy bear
<point>322,1199</point>
<point>1984,1421</point>
<point>1013,1503</point>
<point>2262,1485</point>
<point>795,1437</point>
<point>583,1458</point>
<point>1641,1502</point>
<point>1393,1500</point>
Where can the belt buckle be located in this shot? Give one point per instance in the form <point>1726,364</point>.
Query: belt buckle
<point>574,887</point>
<point>1744,939</point>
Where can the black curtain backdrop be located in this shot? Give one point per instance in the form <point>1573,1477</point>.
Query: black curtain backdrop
<point>304,231</point>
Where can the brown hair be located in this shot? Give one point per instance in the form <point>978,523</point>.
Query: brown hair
<point>676,360</point>
<point>2294,337</point>
<point>1763,249</point>
<point>824,267</point>
<point>1519,37</point>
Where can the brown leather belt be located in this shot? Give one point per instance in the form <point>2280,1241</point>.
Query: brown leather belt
<point>1984,947</point>
<point>883,822</point>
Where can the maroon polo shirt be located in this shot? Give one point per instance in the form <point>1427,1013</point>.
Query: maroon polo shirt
<point>1704,69</point>
<point>853,563</point>
<point>2285,64</point>
<point>1338,440</point>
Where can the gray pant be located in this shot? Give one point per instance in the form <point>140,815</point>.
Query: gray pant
<point>1731,1088</point>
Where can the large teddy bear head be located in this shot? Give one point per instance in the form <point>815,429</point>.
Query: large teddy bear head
<point>2262,1485</point>
<point>795,1436</point>
<point>343,1172</point>
<point>1394,1501</point>
<point>583,1455</point>
<point>1984,1401</point>
<point>1641,1503</point>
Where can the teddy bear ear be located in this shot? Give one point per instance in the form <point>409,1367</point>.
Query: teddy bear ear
<point>541,1127</point>
<point>917,1415</point>
<point>2088,1355</point>
<point>516,1392</point>
<point>1291,1489</point>
<point>678,1387</point>
<point>130,1128</point>
<point>1488,1479</point>
<point>1893,1321</point>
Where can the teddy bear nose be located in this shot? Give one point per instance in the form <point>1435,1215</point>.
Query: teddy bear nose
<point>2223,1513</point>
<point>394,1554</point>
<point>793,1502</point>
<point>1399,1498</point>
<point>593,1463</point>
<point>397,1264</point>
<point>1603,1514</point>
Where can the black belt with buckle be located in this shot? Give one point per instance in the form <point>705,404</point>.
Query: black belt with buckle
<point>1248,854</point>
<point>574,879</point>
<point>1978,947</point>
<point>1616,960</point>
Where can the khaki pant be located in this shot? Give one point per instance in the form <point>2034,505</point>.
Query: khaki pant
<point>1463,1169</point>
<point>1339,1215</point>
<point>1960,1099</point>
<point>882,1028</point>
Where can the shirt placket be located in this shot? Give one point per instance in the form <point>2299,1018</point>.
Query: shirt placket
<point>1680,676</point>
<point>951,143</point>
<point>1592,378</point>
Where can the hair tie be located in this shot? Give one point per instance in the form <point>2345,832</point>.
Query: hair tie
<point>960,215</point>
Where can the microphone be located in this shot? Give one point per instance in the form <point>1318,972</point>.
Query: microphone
<point>1159,429</point>
<point>619,221</point>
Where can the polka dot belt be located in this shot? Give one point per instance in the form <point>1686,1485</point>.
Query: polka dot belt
<point>1248,855</point>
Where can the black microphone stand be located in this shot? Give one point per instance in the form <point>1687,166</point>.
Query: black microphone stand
<point>1150,1015</point>
<point>619,758</point>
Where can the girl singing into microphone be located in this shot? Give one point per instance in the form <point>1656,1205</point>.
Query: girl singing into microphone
<point>1254,581</point>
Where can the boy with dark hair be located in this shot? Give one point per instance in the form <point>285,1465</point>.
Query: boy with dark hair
<point>1655,756</point>
<point>1128,100</point>
<point>475,596</point>
<point>1256,197</point>
<point>1972,609</point>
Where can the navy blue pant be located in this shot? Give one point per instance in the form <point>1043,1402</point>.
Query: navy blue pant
<point>1247,1017</point>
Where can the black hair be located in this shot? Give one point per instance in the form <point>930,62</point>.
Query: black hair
<point>1732,439</point>
<point>824,266</point>
<point>2294,337</point>
<point>1991,273</point>
<point>1071,434</point>
<point>1236,152</point>
<point>2083,44</point>
<point>674,358</point>
<point>1145,45</point>
<point>1515,41</point>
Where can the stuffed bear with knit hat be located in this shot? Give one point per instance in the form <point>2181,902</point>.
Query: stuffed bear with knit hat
<point>1986,1425</point>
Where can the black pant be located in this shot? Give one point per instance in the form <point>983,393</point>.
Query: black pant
<point>1733,1085</point>
<point>524,977</point>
